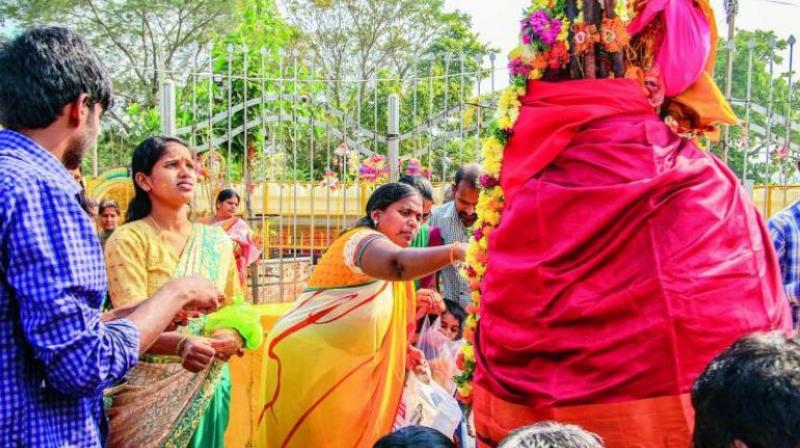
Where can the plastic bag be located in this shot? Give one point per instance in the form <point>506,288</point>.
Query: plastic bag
<point>441,353</point>
<point>425,403</point>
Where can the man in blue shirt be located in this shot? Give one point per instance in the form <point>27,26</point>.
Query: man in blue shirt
<point>57,353</point>
<point>784,229</point>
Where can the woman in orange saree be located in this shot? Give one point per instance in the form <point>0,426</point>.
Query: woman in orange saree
<point>336,363</point>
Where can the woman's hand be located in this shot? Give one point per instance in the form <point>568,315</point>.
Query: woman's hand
<point>182,319</point>
<point>227,342</point>
<point>429,302</point>
<point>196,353</point>
<point>415,361</point>
<point>254,239</point>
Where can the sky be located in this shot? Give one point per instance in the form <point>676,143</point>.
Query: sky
<point>496,21</point>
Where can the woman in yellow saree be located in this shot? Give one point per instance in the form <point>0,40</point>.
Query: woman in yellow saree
<point>179,392</point>
<point>336,363</point>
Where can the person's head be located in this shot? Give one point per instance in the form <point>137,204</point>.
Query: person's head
<point>749,396</point>
<point>52,83</point>
<point>163,176</point>
<point>395,210</point>
<point>551,435</point>
<point>425,188</point>
<point>227,203</point>
<point>415,437</point>
<point>466,190</point>
<point>109,215</point>
<point>452,320</point>
<point>90,205</point>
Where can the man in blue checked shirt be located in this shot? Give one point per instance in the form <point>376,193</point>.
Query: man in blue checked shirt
<point>784,229</point>
<point>57,353</point>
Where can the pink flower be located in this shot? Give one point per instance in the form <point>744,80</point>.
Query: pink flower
<point>517,67</point>
<point>488,181</point>
<point>543,27</point>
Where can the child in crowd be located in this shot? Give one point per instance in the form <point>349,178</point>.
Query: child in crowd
<point>452,320</point>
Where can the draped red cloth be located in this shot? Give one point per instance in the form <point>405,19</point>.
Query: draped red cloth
<point>625,260</point>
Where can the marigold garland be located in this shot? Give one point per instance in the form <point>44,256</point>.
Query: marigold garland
<point>544,45</point>
<point>545,28</point>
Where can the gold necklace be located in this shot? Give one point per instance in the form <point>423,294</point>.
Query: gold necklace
<point>159,230</point>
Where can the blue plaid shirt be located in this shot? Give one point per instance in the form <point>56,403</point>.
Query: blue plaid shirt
<point>55,355</point>
<point>784,229</point>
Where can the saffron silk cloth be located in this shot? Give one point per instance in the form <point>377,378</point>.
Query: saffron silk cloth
<point>162,404</point>
<point>641,258</point>
<point>335,363</point>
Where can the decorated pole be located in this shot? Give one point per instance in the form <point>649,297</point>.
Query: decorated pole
<point>574,64</point>
<point>590,19</point>
<point>614,38</point>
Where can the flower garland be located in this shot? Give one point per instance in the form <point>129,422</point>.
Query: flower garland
<point>545,28</point>
<point>374,170</point>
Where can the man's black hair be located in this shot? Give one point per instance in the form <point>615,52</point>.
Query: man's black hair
<point>469,174</point>
<point>750,393</point>
<point>44,69</point>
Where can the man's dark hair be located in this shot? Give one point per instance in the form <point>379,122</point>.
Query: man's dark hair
<point>44,69</point>
<point>750,393</point>
<point>469,174</point>
<point>420,183</point>
<point>413,437</point>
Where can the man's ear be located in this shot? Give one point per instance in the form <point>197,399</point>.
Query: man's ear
<point>77,110</point>
<point>738,444</point>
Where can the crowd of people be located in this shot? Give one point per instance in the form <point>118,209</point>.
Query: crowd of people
<point>365,357</point>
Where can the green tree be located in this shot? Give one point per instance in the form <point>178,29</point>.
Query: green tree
<point>139,40</point>
<point>762,52</point>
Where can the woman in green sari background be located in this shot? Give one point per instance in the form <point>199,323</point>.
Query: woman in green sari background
<point>179,393</point>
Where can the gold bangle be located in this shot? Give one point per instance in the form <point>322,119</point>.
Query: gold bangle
<point>180,346</point>
<point>452,254</point>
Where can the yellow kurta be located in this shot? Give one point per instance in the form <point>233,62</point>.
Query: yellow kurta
<point>139,263</point>
<point>162,404</point>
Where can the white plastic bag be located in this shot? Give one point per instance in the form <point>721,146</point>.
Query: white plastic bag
<point>441,353</point>
<point>426,403</point>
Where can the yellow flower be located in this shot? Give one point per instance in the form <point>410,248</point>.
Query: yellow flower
<point>540,4</point>
<point>465,390</point>
<point>527,55</point>
<point>564,34</point>
<point>535,74</point>
<point>484,243</point>
<point>469,352</point>
<point>471,321</point>
<point>476,297</point>
<point>516,52</point>
<point>492,218</point>
<point>505,123</point>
